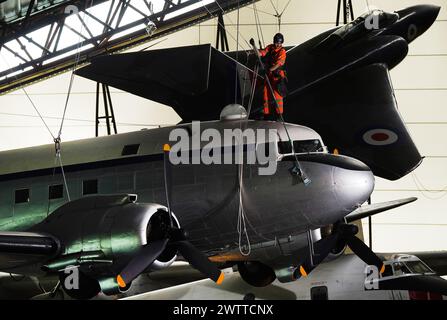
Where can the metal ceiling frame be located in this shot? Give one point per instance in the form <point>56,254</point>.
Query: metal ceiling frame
<point>39,68</point>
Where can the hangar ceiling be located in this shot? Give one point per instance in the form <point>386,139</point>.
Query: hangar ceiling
<point>41,38</point>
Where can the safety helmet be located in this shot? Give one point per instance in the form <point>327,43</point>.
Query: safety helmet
<point>278,38</point>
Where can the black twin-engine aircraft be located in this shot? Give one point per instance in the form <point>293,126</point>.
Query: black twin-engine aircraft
<point>339,86</point>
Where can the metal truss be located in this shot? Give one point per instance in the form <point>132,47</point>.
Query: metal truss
<point>39,44</point>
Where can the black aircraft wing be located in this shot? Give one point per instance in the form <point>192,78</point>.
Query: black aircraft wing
<point>353,109</point>
<point>197,81</point>
<point>18,249</point>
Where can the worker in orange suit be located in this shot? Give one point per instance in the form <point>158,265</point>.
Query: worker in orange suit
<point>274,57</point>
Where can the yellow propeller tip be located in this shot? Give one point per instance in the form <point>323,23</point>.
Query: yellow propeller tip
<point>303,272</point>
<point>221,278</point>
<point>382,270</point>
<point>120,281</point>
<point>166,147</point>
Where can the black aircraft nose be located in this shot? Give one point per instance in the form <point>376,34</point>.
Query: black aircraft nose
<point>414,21</point>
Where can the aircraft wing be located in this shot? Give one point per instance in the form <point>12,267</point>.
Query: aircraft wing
<point>18,249</point>
<point>196,81</point>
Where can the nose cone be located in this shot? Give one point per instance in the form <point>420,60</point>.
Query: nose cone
<point>353,187</point>
<point>414,21</point>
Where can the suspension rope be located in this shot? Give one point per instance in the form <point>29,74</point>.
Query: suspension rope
<point>367,6</point>
<point>223,12</point>
<point>77,59</point>
<point>30,100</point>
<point>58,140</point>
<point>274,8</point>
<point>242,217</point>
<point>258,25</point>
<point>427,193</point>
<point>279,15</point>
<point>237,54</point>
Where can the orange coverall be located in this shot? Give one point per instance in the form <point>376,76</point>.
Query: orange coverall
<point>275,57</point>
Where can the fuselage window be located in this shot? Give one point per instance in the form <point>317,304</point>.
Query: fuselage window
<point>319,293</point>
<point>89,187</point>
<point>22,196</point>
<point>300,146</point>
<point>130,149</point>
<point>56,191</point>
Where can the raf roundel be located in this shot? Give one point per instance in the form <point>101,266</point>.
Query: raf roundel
<point>380,137</point>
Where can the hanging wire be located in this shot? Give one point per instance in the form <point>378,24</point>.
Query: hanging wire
<point>229,19</point>
<point>77,59</point>
<point>258,25</point>
<point>30,100</point>
<point>279,15</point>
<point>274,7</point>
<point>283,10</point>
<point>367,6</point>
<point>438,194</point>
<point>237,54</point>
<point>57,140</point>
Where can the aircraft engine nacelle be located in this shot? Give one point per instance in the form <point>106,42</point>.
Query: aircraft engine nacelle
<point>101,234</point>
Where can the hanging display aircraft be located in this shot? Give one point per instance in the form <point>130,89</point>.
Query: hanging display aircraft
<point>92,225</point>
<point>338,84</point>
<point>87,217</point>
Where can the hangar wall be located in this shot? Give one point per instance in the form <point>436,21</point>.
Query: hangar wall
<point>421,90</point>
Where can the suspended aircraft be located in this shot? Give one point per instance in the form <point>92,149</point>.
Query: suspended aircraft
<point>82,218</point>
<point>119,208</point>
<point>338,83</point>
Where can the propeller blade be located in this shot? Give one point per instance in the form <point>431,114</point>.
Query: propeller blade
<point>167,178</point>
<point>199,261</point>
<point>364,252</point>
<point>142,260</point>
<point>424,283</point>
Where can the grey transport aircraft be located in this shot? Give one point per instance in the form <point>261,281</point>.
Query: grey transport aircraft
<point>95,224</point>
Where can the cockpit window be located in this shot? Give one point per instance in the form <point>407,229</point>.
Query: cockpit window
<point>418,267</point>
<point>400,268</point>
<point>300,146</point>
<point>347,29</point>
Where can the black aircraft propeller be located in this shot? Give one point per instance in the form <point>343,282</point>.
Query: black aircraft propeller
<point>168,236</point>
<point>344,234</point>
